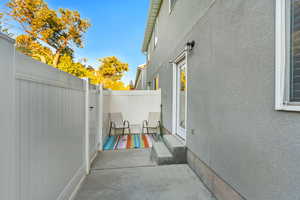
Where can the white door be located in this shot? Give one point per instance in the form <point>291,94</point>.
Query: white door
<point>181,97</point>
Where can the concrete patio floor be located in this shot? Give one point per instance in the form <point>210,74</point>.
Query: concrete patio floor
<point>122,159</point>
<point>140,179</point>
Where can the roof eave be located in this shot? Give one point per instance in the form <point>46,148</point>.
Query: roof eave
<point>152,15</point>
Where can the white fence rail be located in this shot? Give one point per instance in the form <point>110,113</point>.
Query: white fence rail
<point>44,128</point>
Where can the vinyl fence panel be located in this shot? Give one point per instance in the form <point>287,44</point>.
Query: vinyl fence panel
<point>43,112</point>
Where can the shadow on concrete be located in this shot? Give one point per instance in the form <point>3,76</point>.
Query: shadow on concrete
<point>130,175</point>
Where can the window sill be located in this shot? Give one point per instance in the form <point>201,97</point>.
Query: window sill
<point>292,108</point>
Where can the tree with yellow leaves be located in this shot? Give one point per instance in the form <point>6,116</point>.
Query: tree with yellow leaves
<point>67,64</point>
<point>109,74</point>
<point>48,34</point>
<point>1,22</point>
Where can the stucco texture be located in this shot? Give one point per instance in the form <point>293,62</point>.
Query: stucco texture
<point>231,94</point>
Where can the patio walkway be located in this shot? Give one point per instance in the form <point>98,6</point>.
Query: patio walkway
<point>130,175</point>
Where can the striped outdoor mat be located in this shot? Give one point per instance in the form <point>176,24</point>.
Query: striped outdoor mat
<point>134,141</point>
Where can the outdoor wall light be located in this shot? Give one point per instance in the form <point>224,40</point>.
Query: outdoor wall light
<point>190,45</point>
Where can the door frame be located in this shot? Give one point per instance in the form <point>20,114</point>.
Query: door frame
<point>178,59</point>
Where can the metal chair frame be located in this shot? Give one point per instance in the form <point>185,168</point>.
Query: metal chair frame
<point>145,126</point>
<point>126,125</point>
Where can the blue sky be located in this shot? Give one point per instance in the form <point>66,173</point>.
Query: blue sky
<point>117,29</point>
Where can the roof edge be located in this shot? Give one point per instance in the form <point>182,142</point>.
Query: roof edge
<point>152,15</point>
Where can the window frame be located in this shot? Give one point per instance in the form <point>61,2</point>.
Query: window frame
<point>282,76</point>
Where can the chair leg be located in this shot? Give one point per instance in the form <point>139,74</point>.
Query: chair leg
<point>147,130</point>
<point>110,130</point>
<point>123,131</point>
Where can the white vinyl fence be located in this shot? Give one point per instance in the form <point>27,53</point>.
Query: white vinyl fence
<point>50,128</point>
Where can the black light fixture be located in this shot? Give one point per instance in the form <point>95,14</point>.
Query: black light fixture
<point>190,45</point>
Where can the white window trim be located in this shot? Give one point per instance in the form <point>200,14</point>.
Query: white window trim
<point>281,102</point>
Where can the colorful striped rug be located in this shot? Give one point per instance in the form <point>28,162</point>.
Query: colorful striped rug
<point>134,141</point>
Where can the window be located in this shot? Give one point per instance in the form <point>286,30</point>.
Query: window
<point>155,41</point>
<point>295,51</point>
<point>288,55</point>
<point>156,33</point>
<point>148,56</point>
<point>171,5</point>
<point>156,83</point>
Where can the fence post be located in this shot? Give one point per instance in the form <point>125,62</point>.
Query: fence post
<point>87,134</point>
<point>100,114</point>
<point>8,141</point>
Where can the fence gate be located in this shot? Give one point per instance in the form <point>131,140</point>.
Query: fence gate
<point>93,120</point>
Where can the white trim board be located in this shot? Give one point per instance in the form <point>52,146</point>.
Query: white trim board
<point>174,98</point>
<point>280,54</point>
<point>73,186</point>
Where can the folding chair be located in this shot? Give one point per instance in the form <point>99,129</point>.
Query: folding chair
<point>153,122</point>
<point>117,122</point>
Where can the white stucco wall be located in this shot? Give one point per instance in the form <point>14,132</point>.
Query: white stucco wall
<point>232,124</point>
<point>135,105</point>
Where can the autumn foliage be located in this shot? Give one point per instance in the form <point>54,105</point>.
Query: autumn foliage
<point>44,26</point>
<point>109,73</point>
<point>50,37</point>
